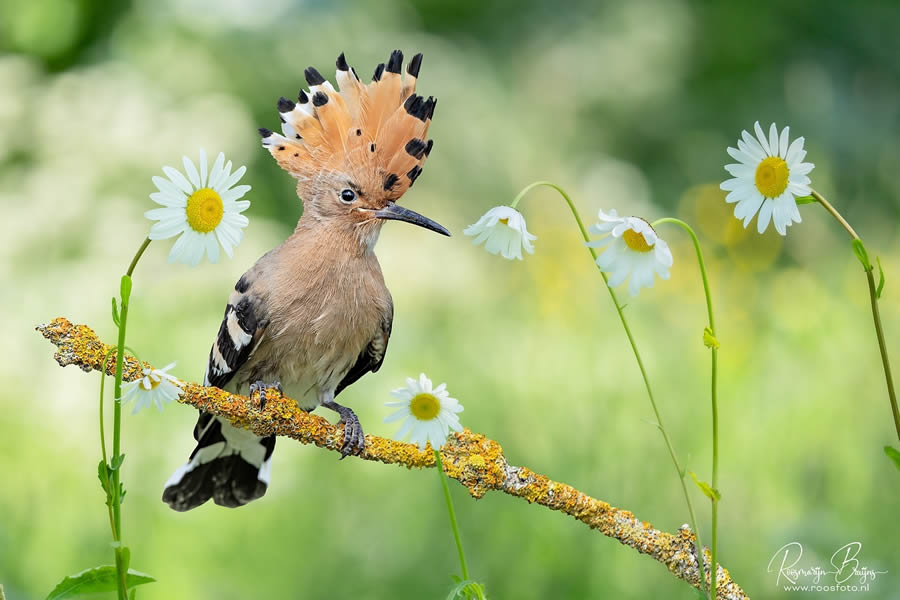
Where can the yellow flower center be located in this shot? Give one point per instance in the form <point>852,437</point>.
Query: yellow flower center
<point>204,210</point>
<point>636,241</point>
<point>153,384</point>
<point>425,407</point>
<point>505,220</point>
<point>772,177</point>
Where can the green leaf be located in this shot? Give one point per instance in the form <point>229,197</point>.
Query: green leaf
<point>709,340</point>
<point>125,289</point>
<point>860,250</point>
<point>893,454</point>
<point>466,589</point>
<point>117,462</point>
<point>96,580</point>
<point>708,490</point>
<point>103,476</point>
<point>805,200</point>
<point>115,312</point>
<point>880,279</point>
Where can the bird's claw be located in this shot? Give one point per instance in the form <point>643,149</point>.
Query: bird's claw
<point>354,437</point>
<point>260,387</point>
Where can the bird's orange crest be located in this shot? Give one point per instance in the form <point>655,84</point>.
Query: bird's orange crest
<point>375,133</point>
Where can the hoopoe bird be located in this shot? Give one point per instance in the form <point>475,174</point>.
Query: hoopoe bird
<point>314,314</point>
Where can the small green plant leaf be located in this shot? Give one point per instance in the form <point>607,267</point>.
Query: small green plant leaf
<point>96,580</point>
<point>465,589</point>
<point>115,312</point>
<point>860,250</point>
<point>880,279</point>
<point>126,558</point>
<point>709,340</point>
<point>893,454</point>
<point>117,462</point>
<point>805,200</point>
<point>103,476</point>
<point>708,490</point>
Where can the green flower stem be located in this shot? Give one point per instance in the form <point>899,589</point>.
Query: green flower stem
<point>137,257</point>
<point>125,290</point>
<point>640,363</point>
<point>112,521</point>
<point>876,315</point>
<point>453,524</point>
<point>714,393</point>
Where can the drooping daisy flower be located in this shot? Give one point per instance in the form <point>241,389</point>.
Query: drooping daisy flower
<point>429,413</point>
<point>770,176</point>
<point>155,387</point>
<point>632,248</point>
<point>202,209</point>
<point>502,230</point>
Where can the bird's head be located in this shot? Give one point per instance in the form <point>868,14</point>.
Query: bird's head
<point>354,152</point>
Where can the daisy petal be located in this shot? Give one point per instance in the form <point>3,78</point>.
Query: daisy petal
<point>765,215</point>
<point>178,179</point>
<point>191,171</point>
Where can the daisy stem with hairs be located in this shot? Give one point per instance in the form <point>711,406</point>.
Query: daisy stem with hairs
<point>640,363</point>
<point>874,292</point>
<point>105,472</point>
<point>115,486</point>
<point>453,524</point>
<point>713,345</point>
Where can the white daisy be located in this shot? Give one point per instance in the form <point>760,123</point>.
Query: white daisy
<point>429,413</point>
<point>632,248</point>
<point>201,209</point>
<point>770,176</point>
<point>502,229</point>
<point>155,387</point>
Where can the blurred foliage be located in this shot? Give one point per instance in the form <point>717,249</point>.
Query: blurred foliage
<point>627,105</point>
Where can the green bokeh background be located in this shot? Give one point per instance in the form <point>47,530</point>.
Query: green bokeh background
<point>628,106</point>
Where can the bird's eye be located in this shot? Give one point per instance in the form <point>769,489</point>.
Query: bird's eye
<point>348,196</point>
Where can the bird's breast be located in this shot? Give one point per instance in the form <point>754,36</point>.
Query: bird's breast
<point>328,320</point>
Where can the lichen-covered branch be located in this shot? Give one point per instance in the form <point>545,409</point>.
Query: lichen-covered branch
<point>474,460</point>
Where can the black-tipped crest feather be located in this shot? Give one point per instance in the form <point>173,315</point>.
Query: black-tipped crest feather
<point>414,65</point>
<point>285,105</point>
<point>313,77</point>
<point>394,62</point>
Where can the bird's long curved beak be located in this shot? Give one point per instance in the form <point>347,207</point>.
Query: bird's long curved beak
<point>397,213</point>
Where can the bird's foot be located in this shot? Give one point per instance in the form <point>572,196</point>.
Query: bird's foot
<point>354,438</point>
<point>261,387</point>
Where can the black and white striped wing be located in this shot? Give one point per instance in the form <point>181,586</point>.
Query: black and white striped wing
<point>229,465</point>
<point>370,359</point>
<point>241,331</point>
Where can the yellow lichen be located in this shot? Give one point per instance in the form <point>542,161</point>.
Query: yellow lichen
<point>474,460</point>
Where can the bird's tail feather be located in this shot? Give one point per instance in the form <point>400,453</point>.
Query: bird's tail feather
<point>230,465</point>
